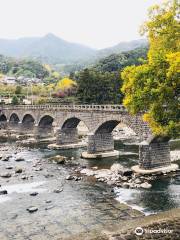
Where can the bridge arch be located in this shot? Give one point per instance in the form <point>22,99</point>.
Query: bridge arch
<point>69,131</point>
<point>14,119</point>
<point>107,127</point>
<point>46,121</point>
<point>28,121</point>
<point>3,118</point>
<point>71,122</point>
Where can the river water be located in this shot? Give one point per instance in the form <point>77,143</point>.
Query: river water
<point>81,206</point>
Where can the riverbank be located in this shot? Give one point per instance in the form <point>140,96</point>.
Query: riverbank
<point>164,226</point>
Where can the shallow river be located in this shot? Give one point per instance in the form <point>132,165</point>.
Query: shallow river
<point>81,206</point>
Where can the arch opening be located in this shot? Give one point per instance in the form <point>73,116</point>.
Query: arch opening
<point>76,124</point>
<point>117,128</point>
<point>3,121</point>
<point>71,123</point>
<point>46,122</point>
<point>72,130</point>
<point>14,119</point>
<point>107,127</point>
<point>28,121</point>
<point>45,127</point>
<point>3,118</point>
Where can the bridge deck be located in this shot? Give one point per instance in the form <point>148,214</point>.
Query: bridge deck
<point>113,108</point>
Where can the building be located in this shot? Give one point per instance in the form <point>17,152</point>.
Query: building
<point>9,80</point>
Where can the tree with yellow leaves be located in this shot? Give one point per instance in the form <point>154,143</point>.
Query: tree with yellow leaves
<point>65,87</point>
<point>154,87</point>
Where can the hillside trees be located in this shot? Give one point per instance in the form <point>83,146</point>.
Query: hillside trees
<point>101,83</point>
<point>26,68</point>
<point>153,87</point>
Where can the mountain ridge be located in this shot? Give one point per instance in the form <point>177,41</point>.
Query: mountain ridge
<point>55,50</point>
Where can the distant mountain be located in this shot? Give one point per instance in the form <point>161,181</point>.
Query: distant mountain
<point>50,49</point>
<point>54,50</point>
<point>123,47</point>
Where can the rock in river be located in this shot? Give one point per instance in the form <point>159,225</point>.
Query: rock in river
<point>3,192</point>
<point>19,159</point>
<point>9,167</point>
<point>146,185</point>
<point>69,177</point>
<point>32,209</point>
<point>58,159</point>
<point>18,170</point>
<point>5,159</point>
<point>6,175</point>
<point>33,194</point>
<point>58,190</point>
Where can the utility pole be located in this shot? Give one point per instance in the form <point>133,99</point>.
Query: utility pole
<point>31,95</point>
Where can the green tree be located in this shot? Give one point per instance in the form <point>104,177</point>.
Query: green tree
<point>18,90</point>
<point>154,86</point>
<point>15,100</point>
<point>98,87</point>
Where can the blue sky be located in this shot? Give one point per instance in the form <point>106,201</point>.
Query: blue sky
<point>96,23</point>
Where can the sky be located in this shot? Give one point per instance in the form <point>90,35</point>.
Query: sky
<point>95,23</point>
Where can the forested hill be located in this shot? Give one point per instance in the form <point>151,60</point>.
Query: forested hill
<point>116,62</point>
<point>101,83</point>
<point>27,68</point>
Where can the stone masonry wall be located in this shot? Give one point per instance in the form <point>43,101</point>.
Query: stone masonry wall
<point>154,155</point>
<point>67,136</point>
<point>100,143</point>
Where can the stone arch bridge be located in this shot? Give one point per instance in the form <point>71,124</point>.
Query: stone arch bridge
<point>100,120</point>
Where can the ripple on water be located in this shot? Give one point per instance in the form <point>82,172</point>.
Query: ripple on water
<point>129,197</point>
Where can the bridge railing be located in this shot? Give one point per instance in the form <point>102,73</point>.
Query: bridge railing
<point>107,107</point>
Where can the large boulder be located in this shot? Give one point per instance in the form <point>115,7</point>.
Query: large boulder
<point>146,185</point>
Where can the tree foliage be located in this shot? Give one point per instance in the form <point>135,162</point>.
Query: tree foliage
<point>153,87</point>
<point>18,90</point>
<point>100,84</point>
<point>116,62</point>
<point>97,87</point>
<point>26,68</point>
<point>15,100</point>
<point>65,87</point>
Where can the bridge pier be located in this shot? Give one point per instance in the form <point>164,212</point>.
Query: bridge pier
<point>100,145</point>
<point>67,138</point>
<point>43,132</point>
<point>154,157</point>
